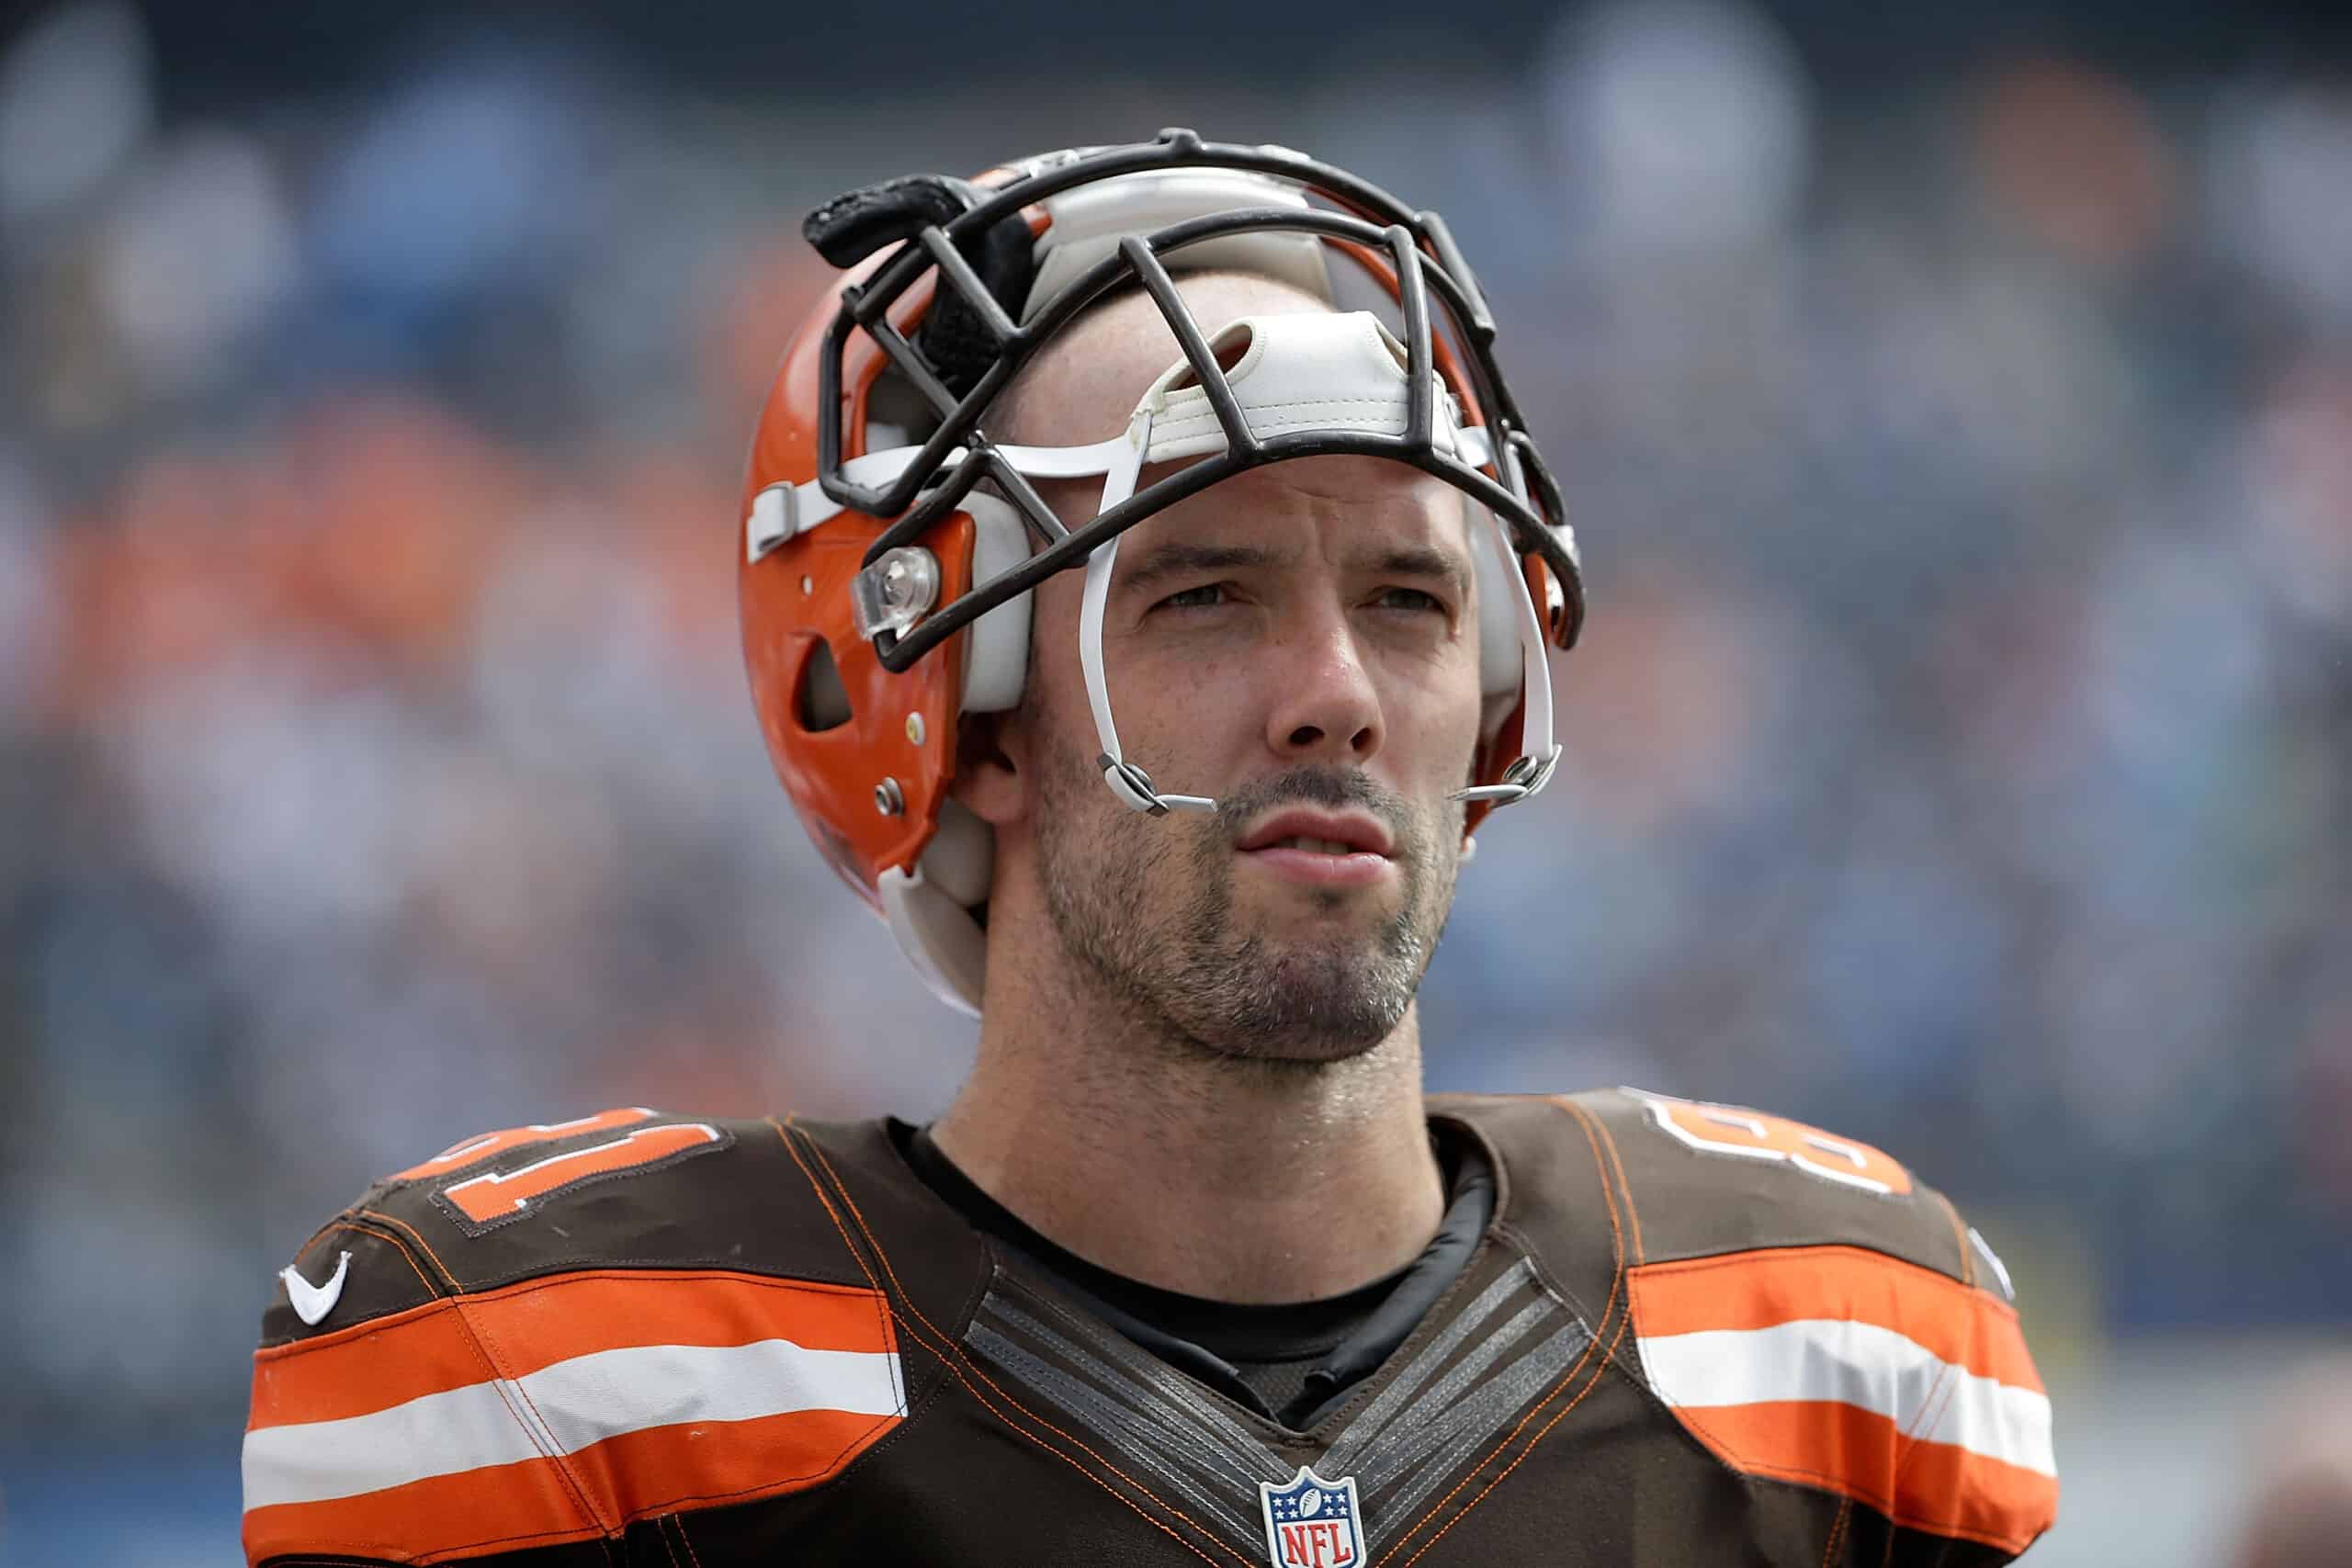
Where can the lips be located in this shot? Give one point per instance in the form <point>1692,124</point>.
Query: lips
<point>1306,830</point>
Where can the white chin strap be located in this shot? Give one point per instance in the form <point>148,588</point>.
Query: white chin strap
<point>1341,371</point>
<point>1128,782</point>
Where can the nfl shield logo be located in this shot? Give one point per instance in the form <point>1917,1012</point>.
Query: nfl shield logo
<point>1311,1522</point>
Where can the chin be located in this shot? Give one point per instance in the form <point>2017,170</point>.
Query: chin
<point>1308,1002</point>
<point>1329,912</point>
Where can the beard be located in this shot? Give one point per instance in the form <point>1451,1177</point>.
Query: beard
<point>1146,907</point>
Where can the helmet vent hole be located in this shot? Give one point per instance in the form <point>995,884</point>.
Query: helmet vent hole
<point>1228,355</point>
<point>821,702</point>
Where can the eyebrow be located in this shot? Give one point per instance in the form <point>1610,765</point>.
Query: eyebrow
<point>1176,560</point>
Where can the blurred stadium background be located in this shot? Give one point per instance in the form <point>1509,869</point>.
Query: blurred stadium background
<point>1956,405</point>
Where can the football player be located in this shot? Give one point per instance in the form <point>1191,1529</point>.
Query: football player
<point>1148,582</point>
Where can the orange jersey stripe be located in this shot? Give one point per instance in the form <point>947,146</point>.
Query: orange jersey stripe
<point>1937,1487</point>
<point>509,1507</point>
<point>499,1507</point>
<point>1957,1323</point>
<point>449,1343</point>
<point>664,1467</point>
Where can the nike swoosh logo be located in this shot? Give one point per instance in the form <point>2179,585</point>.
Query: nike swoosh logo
<point>313,1302</point>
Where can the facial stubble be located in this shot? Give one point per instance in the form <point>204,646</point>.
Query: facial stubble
<point>1146,907</point>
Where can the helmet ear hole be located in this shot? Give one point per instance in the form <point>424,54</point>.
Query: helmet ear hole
<point>820,701</point>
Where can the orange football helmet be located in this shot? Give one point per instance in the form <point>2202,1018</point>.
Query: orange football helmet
<point>884,585</point>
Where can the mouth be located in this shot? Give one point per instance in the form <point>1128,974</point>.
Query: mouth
<point>1321,849</point>
<point>1320,832</point>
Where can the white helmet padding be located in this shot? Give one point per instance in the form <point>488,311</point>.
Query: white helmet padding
<point>929,909</point>
<point>996,647</point>
<point>1089,222</point>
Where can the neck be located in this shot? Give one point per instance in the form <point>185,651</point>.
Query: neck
<point>1237,1179</point>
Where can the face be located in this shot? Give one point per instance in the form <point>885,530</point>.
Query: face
<point>1299,643</point>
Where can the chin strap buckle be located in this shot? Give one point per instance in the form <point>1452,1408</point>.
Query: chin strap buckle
<point>1130,783</point>
<point>1522,779</point>
<point>1134,788</point>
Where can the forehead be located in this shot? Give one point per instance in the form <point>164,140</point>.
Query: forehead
<point>1339,507</point>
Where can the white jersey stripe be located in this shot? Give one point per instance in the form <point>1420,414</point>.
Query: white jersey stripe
<point>464,1428</point>
<point>565,1407</point>
<point>1858,1364</point>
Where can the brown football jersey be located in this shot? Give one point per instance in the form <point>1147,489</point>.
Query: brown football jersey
<point>1690,1334</point>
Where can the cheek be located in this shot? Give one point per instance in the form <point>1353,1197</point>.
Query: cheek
<point>1199,703</point>
<point>1434,717</point>
<point>1121,855</point>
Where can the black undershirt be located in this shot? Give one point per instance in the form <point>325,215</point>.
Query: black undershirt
<point>1286,1362</point>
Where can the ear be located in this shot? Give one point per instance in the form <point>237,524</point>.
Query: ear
<point>990,781</point>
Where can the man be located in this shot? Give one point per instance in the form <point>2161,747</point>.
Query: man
<point>1189,1271</point>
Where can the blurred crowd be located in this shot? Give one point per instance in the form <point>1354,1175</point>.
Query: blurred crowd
<point>1958,755</point>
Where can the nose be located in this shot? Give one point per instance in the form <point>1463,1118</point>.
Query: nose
<point>1325,707</point>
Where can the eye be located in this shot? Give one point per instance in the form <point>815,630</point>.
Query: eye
<point>1207,596</point>
<point>1410,599</point>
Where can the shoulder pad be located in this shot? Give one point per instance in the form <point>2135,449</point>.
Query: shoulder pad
<point>1808,1309</point>
<point>518,1342</point>
<point>1707,1179</point>
<point>624,1189</point>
